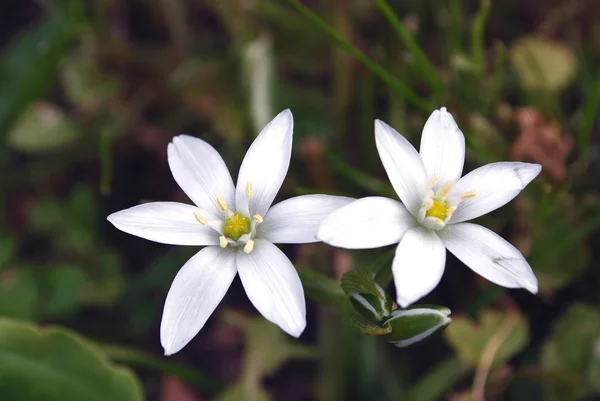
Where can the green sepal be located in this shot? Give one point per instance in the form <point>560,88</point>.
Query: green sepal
<point>410,326</point>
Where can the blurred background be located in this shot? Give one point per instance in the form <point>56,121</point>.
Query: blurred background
<point>91,93</point>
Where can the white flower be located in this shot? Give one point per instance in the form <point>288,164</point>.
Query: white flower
<point>238,227</point>
<point>437,202</point>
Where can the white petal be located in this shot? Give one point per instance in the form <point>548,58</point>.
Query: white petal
<point>266,164</point>
<point>201,172</point>
<point>403,166</point>
<point>296,220</point>
<point>418,265</point>
<point>489,255</point>
<point>442,147</point>
<point>370,222</point>
<point>165,222</point>
<point>494,185</point>
<point>195,293</point>
<point>273,286</point>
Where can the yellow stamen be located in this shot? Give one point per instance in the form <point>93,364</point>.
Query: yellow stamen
<point>444,191</point>
<point>258,218</point>
<point>222,241</point>
<point>467,195</point>
<point>200,219</point>
<point>249,190</point>
<point>432,184</point>
<point>222,203</point>
<point>249,246</point>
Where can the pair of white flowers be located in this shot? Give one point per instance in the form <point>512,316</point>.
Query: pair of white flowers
<point>238,226</point>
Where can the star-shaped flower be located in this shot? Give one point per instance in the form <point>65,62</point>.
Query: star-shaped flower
<point>437,202</point>
<point>238,226</point>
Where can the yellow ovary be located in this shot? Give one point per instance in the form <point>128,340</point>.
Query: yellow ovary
<point>439,210</point>
<point>236,225</point>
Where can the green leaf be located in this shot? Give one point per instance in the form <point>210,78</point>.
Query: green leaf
<point>573,350</point>
<point>55,364</point>
<point>439,381</point>
<point>366,326</point>
<point>469,338</point>
<point>86,85</point>
<point>18,293</point>
<point>413,325</point>
<point>29,67</point>
<point>367,297</point>
<point>244,392</point>
<point>60,288</point>
<point>41,128</point>
<point>321,288</point>
<point>542,64</point>
<point>361,281</point>
<point>8,247</point>
<point>269,347</point>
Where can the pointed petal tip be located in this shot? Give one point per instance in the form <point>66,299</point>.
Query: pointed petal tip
<point>403,302</point>
<point>287,114</point>
<point>532,287</point>
<point>297,331</point>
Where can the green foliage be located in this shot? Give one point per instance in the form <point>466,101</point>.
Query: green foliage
<point>92,92</point>
<point>267,349</point>
<point>469,338</point>
<point>41,128</point>
<point>54,364</point>
<point>542,64</point>
<point>573,351</point>
<point>32,61</point>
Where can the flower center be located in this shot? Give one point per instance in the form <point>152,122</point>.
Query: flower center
<point>236,225</point>
<point>439,209</point>
<point>238,230</point>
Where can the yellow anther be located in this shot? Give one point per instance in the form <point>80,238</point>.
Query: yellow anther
<point>258,218</point>
<point>249,246</point>
<point>223,241</point>
<point>467,195</point>
<point>432,184</point>
<point>249,190</point>
<point>200,219</point>
<point>222,203</point>
<point>444,191</point>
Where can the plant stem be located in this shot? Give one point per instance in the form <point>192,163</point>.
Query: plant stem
<point>375,68</point>
<point>421,62</point>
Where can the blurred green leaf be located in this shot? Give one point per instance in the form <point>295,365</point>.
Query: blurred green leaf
<point>439,380</point>
<point>104,283</point>
<point>321,288</point>
<point>54,364</point>
<point>32,61</point>
<point>60,289</point>
<point>18,293</point>
<point>87,87</point>
<point>7,250</point>
<point>241,392</point>
<point>268,347</point>
<point>573,349</point>
<point>414,325</point>
<point>542,64</point>
<point>469,338</point>
<point>42,128</point>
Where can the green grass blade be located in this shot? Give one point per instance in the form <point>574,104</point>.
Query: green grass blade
<point>375,68</point>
